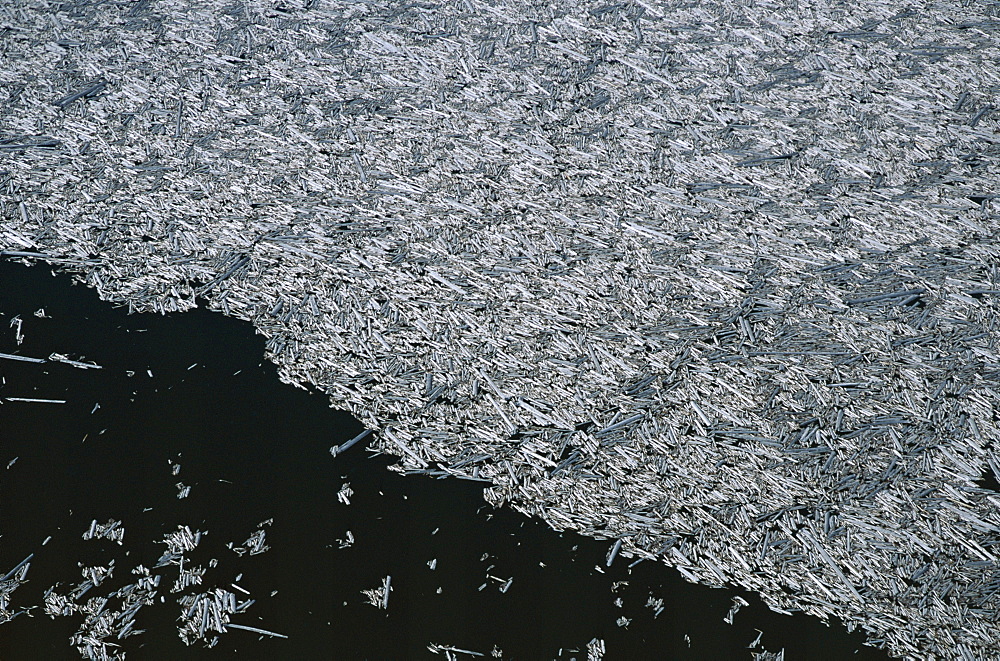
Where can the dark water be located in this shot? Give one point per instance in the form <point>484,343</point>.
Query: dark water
<point>253,449</point>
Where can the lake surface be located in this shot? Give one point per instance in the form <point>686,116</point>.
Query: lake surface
<point>193,390</point>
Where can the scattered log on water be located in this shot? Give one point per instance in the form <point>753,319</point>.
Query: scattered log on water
<point>659,282</point>
<point>379,597</point>
<point>11,581</point>
<point>112,530</point>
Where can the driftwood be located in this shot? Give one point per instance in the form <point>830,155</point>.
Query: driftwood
<point>716,281</point>
<point>203,615</point>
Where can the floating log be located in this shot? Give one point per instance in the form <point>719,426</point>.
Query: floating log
<point>265,632</point>
<point>26,359</point>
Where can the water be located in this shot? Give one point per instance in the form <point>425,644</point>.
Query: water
<point>254,449</point>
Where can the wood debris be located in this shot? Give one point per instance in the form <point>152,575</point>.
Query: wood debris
<point>9,582</point>
<point>112,530</point>
<point>10,356</point>
<point>656,604</point>
<point>16,323</point>
<point>108,618</point>
<point>450,652</point>
<point>255,543</point>
<point>738,603</point>
<point>347,541</point>
<point>205,614</point>
<point>58,357</point>
<point>714,283</point>
<point>379,597</point>
<point>596,649</point>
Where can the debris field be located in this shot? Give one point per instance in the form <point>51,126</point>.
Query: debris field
<point>714,281</point>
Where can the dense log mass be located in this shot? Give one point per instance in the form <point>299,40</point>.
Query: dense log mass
<point>716,280</point>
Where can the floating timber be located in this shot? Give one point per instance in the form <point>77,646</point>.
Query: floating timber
<point>716,282</point>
